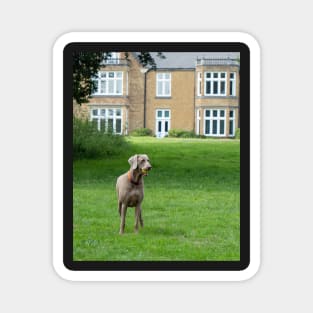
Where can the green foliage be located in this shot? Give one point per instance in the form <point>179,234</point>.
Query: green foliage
<point>89,143</point>
<point>237,133</point>
<point>85,68</point>
<point>146,59</point>
<point>141,132</point>
<point>181,133</point>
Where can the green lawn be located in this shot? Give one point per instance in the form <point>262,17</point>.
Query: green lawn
<point>191,206</point>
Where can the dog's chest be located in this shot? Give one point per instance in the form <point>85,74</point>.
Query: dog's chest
<point>135,196</point>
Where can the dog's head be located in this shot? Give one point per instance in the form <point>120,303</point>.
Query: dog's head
<point>140,162</point>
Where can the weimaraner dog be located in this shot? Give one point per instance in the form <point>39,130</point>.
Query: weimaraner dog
<point>129,187</point>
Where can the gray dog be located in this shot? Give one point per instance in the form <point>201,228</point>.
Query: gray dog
<point>129,188</point>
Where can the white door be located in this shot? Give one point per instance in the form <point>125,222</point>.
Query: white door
<point>162,122</point>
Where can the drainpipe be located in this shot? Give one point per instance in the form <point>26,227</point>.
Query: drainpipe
<point>144,71</point>
<point>195,117</point>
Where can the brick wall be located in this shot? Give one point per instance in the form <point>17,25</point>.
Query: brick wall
<point>180,103</point>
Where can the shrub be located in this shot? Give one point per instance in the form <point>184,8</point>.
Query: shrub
<point>181,133</point>
<point>237,133</point>
<point>141,132</point>
<point>90,143</point>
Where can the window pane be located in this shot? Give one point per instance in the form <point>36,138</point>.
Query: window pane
<point>103,74</point>
<point>207,112</point>
<point>102,112</point>
<point>222,87</point>
<point>118,125</point>
<point>232,75</point>
<point>102,125</point>
<point>207,127</point>
<point>118,112</point>
<point>166,126</point>
<point>167,76</point>
<point>119,74</point>
<point>215,88</point>
<point>223,75</point>
<point>111,74</point>
<point>231,113</point>
<point>222,113</point>
<point>159,91</point>
<point>222,125</point>
<point>231,88</point>
<point>110,112</point>
<point>110,125</point>
<point>95,112</point>
<point>119,86</point>
<point>215,75</point>
<point>215,113</point>
<point>103,86</point>
<point>214,132</point>
<point>166,113</point>
<point>208,88</point>
<point>167,88</point>
<point>208,75</point>
<point>111,86</point>
<point>231,127</point>
<point>159,113</point>
<point>159,126</point>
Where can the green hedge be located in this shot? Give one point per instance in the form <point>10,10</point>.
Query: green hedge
<point>181,133</point>
<point>141,132</point>
<point>89,143</point>
<point>237,133</point>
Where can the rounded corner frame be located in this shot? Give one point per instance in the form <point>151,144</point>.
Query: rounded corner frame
<point>255,144</point>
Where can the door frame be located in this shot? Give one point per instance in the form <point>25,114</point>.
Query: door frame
<point>163,120</point>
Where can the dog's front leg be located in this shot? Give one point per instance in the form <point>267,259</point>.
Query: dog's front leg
<point>120,208</point>
<point>123,215</point>
<point>137,217</point>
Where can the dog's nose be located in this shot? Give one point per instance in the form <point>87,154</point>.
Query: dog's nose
<point>149,168</point>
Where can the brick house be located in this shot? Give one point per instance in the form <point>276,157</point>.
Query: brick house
<point>191,91</point>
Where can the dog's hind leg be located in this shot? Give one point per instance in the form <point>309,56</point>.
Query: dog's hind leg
<point>140,219</point>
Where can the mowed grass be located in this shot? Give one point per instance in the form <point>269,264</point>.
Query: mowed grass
<point>190,210</point>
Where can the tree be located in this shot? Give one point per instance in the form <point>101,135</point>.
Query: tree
<point>86,66</point>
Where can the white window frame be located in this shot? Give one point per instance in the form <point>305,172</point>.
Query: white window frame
<point>115,79</point>
<point>102,113</point>
<point>212,118</point>
<point>233,118</point>
<point>126,84</point>
<point>162,119</point>
<point>213,80</point>
<point>232,84</point>
<point>161,78</point>
<point>198,121</point>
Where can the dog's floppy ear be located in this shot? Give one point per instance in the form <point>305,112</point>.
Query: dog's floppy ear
<point>133,161</point>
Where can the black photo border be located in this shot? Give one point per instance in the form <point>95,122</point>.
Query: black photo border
<point>244,261</point>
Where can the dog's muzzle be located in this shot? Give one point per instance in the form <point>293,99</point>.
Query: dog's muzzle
<point>145,171</point>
